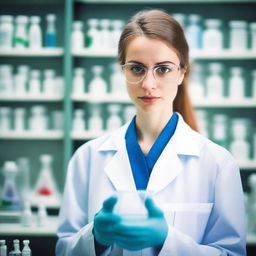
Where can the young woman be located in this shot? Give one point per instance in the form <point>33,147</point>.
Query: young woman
<point>196,206</point>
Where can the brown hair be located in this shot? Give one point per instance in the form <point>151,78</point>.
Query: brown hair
<point>160,25</point>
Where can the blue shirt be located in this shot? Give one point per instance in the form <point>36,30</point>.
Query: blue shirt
<point>142,165</point>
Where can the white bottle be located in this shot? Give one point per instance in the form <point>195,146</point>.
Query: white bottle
<point>5,119</point>
<point>181,18</point>
<point>79,82</point>
<point>214,82</point>
<point>129,112</point>
<point>203,122</point>
<point>26,251</point>
<point>238,35</point>
<point>21,33</point>
<point>253,35</point>
<point>114,121</point>
<point>27,216</point>
<point>117,26</point>
<point>197,90</point>
<point>194,32</point>
<point>95,122</point>
<point>212,35</point>
<point>236,84</point>
<point>35,33</point>
<point>21,80</point>
<point>58,120</point>
<point>78,124</point>
<point>38,120</point>
<point>254,84</point>
<point>35,83</point>
<point>117,81</point>
<point>6,32</point>
<point>77,36</point>
<point>239,146</point>
<point>16,245</point>
<point>42,217</point>
<point>98,85</point>
<point>51,33</point>
<point>49,82</point>
<point>6,80</point>
<point>219,134</point>
<point>59,86</point>
<point>105,34</point>
<point>93,35</point>
<point>19,119</point>
<point>3,248</point>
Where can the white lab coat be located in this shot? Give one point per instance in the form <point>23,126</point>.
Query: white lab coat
<point>196,183</point>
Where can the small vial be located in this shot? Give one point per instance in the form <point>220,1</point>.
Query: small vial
<point>214,82</point>
<point>114,121</point>
<point>51,36</point>
<point>236,84</point>
<point>19,119</point>
<point>6,32</point>
<point>238,35</point>
<point>79,81</point>
<point>3,248</point>
<point>26,251</point>
<point>98,85</point>
<point>77,36</point>
<point>27,216</point>
<point>21,35</point>
<point>35,83</point>
<point>78,121</point>
<point>212,35</point>
<point>35,33</point>
<point>49,82</point>
<point>253,35</point>
<point>5,119</point>
<point>194,32</point>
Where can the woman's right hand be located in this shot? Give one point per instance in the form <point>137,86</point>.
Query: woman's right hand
<point>104,222</point>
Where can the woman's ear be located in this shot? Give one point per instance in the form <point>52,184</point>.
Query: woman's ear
<point>182,74</point>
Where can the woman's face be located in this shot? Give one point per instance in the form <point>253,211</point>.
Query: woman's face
<point>157,91</point>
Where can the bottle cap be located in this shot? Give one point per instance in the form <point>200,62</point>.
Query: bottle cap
<point>213,23</point>
<point>238,24</point>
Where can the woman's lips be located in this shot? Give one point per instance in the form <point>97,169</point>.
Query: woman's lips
<point>149,99</point>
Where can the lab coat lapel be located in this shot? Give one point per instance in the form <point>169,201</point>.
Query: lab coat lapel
<point>118,168</point>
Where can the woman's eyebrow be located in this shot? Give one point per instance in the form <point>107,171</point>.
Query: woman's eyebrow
<point>164,62</point>
<point>136,62</point>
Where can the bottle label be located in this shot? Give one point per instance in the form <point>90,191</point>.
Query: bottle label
<point>18,41</point>
<point>51,40</point>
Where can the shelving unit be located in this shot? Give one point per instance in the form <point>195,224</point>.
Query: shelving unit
<point>44,52</point>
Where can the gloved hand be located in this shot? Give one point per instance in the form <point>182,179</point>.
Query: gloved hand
<point>150,232</point>
<point>104,222</point>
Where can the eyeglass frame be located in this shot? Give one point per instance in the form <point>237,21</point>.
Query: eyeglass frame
<point>179,67</point>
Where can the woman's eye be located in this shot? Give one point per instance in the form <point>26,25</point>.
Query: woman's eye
<point>163,70</point>
<point>137,69</point>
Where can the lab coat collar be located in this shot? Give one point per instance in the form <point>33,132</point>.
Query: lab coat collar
<point>167,167</point>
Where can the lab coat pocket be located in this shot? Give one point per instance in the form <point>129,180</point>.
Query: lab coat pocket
<point>191,218</point>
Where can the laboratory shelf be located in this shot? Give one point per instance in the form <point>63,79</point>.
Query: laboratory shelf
<point>248,165</point>
<point>31,98</point>
<point>38,135</point>
<point>163,1</point>
<point>224,103</point>
<point>50,229</point>
<point>44,52</point>
<point>87,135</point>
<point>109,98</point>
<point>95,53</point>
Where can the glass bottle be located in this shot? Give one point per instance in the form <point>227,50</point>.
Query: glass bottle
<point>6,80</point>
<point>194,32</point>
<point>49,82</point>
<point>214,82</point>
<point>95,122</point>
<point>19,119</point>
<point>114,121</point>
<point>5,119</point>
<point>78,81</point>
<point>105,33</point>
<point>34,83</point>
<point>212,35</point>
<point>35,33</point>
<point>38,120</point>
<point>236,84</point>
<point>98,85</point>
<point>21,34</point>
<point>6,32</point>
<point>93,35</point>
<point>10,198</point>
<point>46,185</point>
<point>16,251</point>
<point>51,33</point>
<point>77,36</point>
<point>78,121</point>
<point>3,248</point>
<point>21,80</point>
<point>26,215</point>
<point>238,35</point>
<point>26,251</point>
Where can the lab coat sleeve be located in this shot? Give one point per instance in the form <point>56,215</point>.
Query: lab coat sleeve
<point>225,230</point>
<point>74,232</point>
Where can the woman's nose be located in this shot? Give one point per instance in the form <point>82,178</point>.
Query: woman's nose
<point>149,82</point>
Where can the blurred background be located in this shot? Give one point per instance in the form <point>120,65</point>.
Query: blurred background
<point>60,86</point>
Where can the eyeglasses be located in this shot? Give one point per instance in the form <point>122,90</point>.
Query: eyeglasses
<point>164,73</point>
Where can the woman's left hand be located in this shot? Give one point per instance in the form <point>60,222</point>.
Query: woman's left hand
<point>148,232</point>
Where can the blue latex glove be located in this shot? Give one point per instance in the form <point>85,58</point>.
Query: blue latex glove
<point>104,222</point>
<point>138,235</point>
